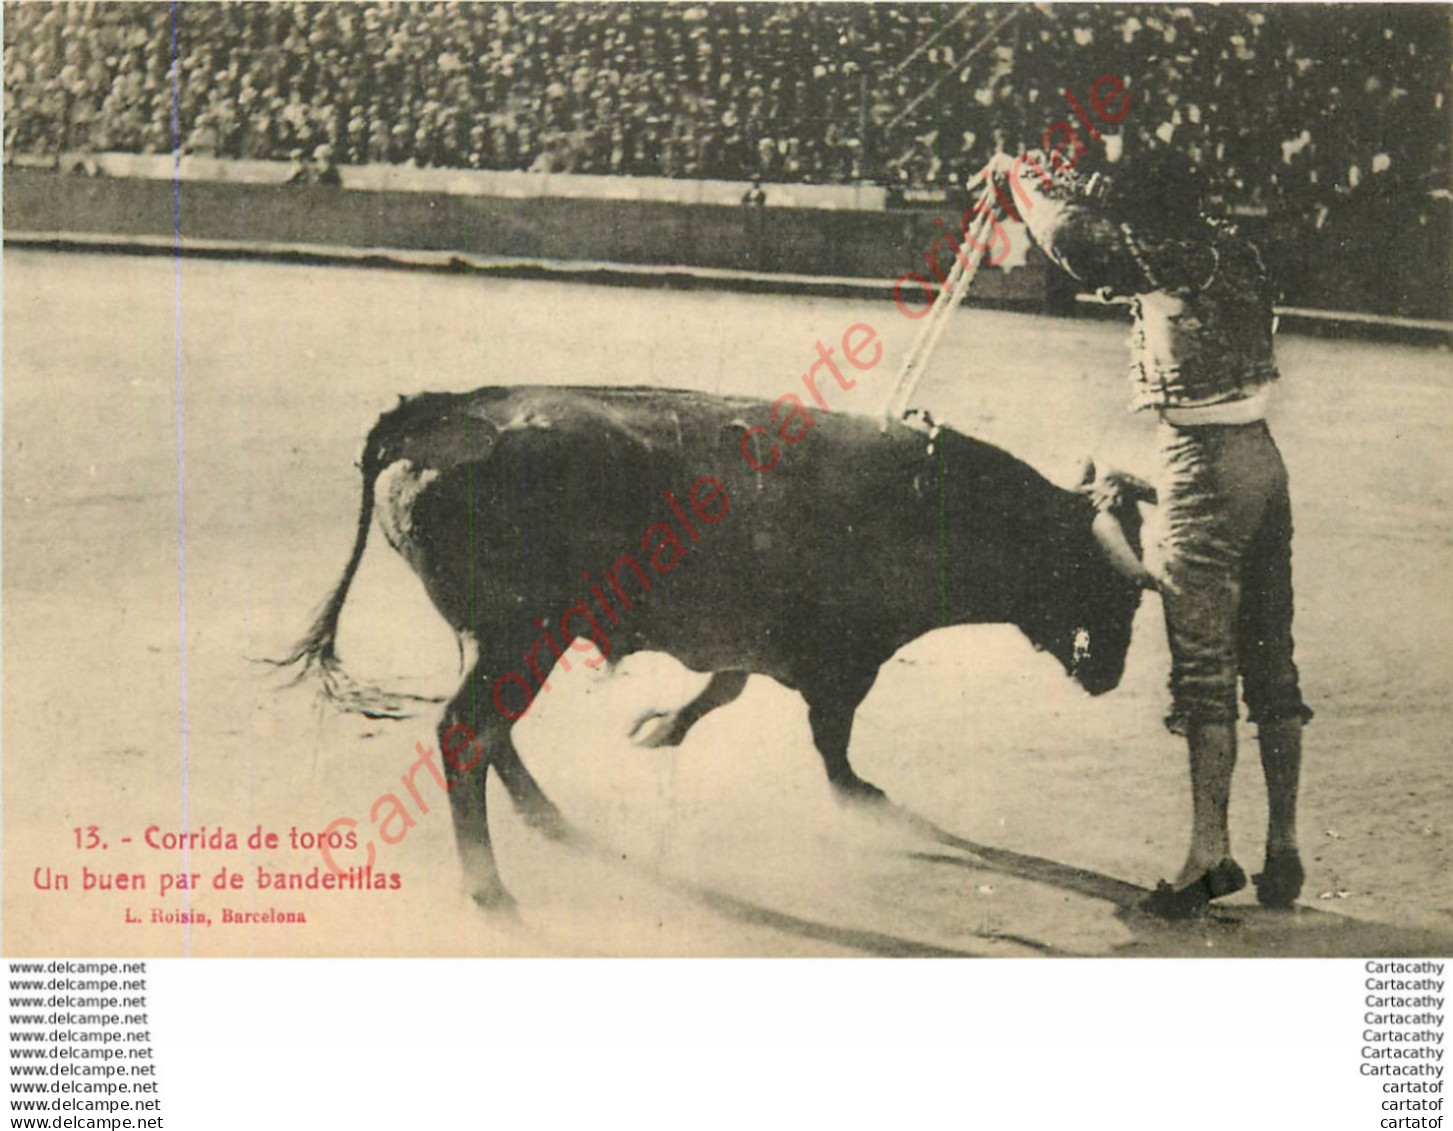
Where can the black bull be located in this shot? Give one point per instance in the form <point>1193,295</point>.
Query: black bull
<point>660,520</point>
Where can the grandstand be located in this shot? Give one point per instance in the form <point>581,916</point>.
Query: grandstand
<point>1331,122</point>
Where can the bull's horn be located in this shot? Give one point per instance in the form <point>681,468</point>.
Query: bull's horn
<point>1118,551</point>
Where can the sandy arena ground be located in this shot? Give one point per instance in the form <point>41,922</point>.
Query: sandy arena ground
<point>130,698</point>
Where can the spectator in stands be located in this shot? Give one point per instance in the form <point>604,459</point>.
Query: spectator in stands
<point>325,168</point>
<point>755,197</point>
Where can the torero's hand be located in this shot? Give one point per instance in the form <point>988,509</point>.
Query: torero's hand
<point>1158,579</point>
<point>1110,487</point>
<point>995,172</point>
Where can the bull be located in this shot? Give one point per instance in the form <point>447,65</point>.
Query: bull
<point>810,553</point>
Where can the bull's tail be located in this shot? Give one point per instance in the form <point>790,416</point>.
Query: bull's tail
<point>318,647</point>
<point>317,651</point>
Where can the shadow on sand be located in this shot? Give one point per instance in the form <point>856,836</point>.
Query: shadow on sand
<point>1227,931</point>
<point>745,911</point>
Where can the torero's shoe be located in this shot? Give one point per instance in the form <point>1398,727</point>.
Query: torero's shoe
<point>1280,882</point>
<point>1167,902</point>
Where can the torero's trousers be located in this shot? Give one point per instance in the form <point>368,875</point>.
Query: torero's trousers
<point>1226,548</point>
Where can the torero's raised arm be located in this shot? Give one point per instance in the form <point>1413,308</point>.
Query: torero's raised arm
<point>1067,216</point>
<point>1202,300</point>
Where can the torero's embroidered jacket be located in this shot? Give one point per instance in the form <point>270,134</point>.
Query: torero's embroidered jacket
<point>1202,300</point>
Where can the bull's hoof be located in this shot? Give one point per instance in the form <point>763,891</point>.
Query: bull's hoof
<point>854,790</point>
<point>546,819</point>
<point>1167,902</point>
<point>1280,882</point>
<point>656,728</point>
<point>495,901</point>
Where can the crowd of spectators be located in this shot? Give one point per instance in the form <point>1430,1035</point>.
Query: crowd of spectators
<point>1290,105</point>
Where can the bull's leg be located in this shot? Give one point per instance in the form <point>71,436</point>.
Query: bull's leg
<point>529,799</point>
<point>465,771</point>
<point>830,711</point>
<point>723,688</point>
<point>465,778</point>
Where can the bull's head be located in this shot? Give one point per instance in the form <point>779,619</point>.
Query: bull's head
<point>1103,591</point>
